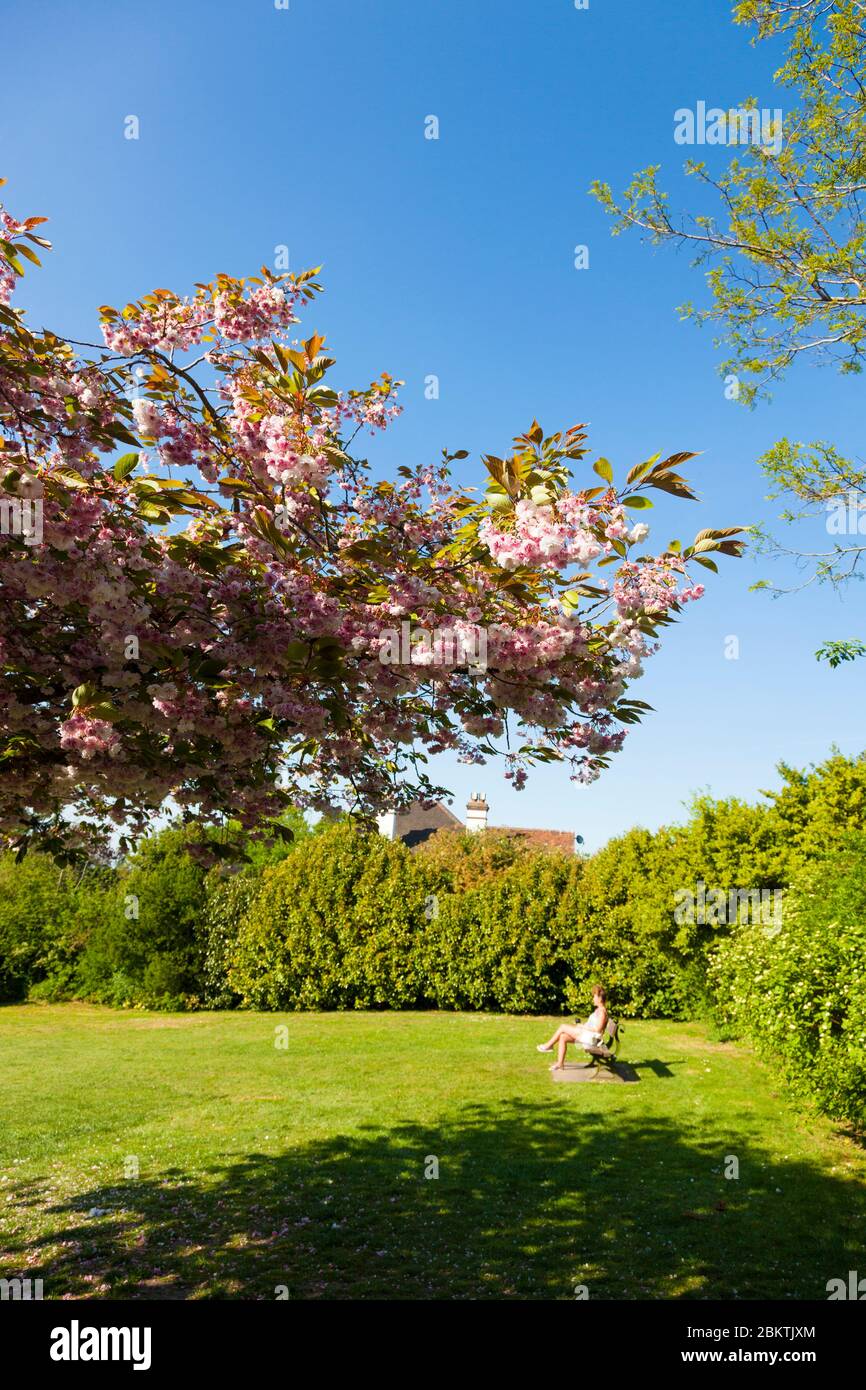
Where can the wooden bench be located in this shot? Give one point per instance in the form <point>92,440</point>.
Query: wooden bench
<point>604,1054</point>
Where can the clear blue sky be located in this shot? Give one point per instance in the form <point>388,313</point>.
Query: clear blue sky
<point>305,127</point>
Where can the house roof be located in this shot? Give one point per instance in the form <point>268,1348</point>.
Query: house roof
<point>415,825</point>
<point>562,840</point>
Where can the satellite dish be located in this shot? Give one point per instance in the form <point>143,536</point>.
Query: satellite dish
<point>578,839</point>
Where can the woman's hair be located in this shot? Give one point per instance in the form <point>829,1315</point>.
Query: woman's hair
<point>600,990</point>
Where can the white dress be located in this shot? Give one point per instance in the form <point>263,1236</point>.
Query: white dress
<point>588,1036</point>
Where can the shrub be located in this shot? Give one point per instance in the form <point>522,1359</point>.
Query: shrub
<point>622,914</point>
<point>347,920</point>
<point>355,921</point>
<point>455,860</point>
<point>147,948</point>
<point>797,989</point>
<point>500,945</point>
<point>228,901</point>
<point>335,926</point>
<point>46,916</point>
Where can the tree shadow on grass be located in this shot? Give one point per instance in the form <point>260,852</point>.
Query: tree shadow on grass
<point>532,1200</point>
<point>659,1068</point>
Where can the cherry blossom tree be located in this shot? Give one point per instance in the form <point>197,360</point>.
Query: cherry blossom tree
<point>202,581</point>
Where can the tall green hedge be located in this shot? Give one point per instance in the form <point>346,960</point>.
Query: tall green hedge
<point>355,921</point>
<point>47,916</point>
<point>797,988</point>
<point>502,945</point>
<point>227,903</point>
<point>336,926</point>
<point>147,947</point>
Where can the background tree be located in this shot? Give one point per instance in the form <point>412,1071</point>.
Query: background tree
<point>784,247</point>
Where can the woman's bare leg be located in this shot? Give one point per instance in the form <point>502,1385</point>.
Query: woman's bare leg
<point>562,1037</point>
<point>562,1031</point>
<point>564,1040</point>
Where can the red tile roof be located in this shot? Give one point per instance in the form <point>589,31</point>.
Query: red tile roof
<point>561,840</point>
<point>415,825</point>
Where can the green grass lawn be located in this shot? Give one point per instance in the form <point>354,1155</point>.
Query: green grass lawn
<point>304,1167</point>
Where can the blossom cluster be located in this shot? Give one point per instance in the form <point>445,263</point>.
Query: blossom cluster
<point>559,532</point>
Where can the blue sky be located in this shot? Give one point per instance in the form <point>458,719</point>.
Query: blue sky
<point>455,257</point>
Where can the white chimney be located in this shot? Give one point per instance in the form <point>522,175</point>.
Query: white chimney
<point>476,813</point>
<point>387,823</point>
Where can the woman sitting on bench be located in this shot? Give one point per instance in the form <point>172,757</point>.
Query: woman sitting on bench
<point>587,1034</point>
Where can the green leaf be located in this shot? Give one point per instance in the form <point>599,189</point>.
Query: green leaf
<point>83,695</point>
<point>239,485</point>
<point>209,668</point>
<point>124,466</point>
<point>70,478</point>
<point>603,469</point>
<point>31,255</point>
<point>641,468</point>
<point>103,710</point>
<point>118,431</point>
